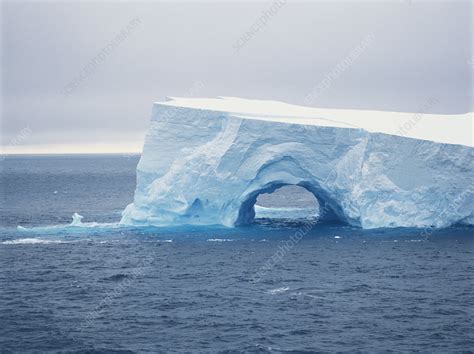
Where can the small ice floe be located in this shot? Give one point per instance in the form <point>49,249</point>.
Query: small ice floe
<point>337,236</point>
<point>219,240</point>
<point>55,192</point>
<point>278,290</point>
<point>76,220</point>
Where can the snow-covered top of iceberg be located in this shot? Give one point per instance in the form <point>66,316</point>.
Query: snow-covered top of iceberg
<point>442,128</point>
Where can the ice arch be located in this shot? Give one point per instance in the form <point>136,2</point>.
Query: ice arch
<point>204,162</point>
<point>273,176</point>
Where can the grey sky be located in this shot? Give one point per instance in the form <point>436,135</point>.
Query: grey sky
<point>419,51</point>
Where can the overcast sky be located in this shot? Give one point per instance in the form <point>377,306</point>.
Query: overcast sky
<point>83,76</point>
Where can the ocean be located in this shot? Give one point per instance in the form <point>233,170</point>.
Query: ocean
<point>258,288</point>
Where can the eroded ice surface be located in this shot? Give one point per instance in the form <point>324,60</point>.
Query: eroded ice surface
<point>205,161</point>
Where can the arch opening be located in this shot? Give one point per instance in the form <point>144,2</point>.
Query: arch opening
<point>286,202</point>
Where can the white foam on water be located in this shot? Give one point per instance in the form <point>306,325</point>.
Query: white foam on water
<point>219,240</point>
<point>70,227</point>
<point>31,241</point>
<point>278,290</point>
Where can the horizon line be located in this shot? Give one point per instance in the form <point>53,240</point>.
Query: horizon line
<point>72,153</point>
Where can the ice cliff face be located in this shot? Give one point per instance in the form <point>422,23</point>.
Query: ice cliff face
<point>205,161</point>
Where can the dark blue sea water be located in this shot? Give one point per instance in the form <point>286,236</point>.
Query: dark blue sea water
<point>106,288</point>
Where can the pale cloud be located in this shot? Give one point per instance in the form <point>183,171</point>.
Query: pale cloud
<point>421,50</point>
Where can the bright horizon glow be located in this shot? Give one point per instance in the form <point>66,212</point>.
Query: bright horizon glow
<point>64,149</point>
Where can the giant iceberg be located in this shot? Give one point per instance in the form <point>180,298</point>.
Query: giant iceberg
<point>205,161</point>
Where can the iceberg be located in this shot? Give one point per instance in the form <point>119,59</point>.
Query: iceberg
<point>205,161</point>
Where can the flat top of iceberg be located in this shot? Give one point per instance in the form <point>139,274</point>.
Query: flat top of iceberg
<point>442,128</point>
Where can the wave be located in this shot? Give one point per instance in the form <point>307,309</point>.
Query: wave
<point>219,240</point>
<point>32,241</point>
<point>278,290</point>
<point>77,228</point>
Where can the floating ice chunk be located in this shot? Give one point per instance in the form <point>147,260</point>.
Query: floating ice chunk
<point>76,220</point>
